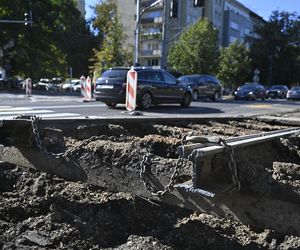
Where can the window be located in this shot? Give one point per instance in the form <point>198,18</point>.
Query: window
<point>153,62</point>
<point>169,78</point>
<point>142,75</point>
<point>232,39</point>
<point>234,25</point>
<point>155,76</point>
<point>247,31</point>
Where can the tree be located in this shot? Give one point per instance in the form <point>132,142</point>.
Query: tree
<point>276,49</point>
<point>196,51</point>
<point>234,65</point>
<point>111,52</point>
<point>58,39</point>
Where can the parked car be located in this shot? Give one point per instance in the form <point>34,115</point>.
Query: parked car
<point>69,85</point>
<point>203,86</point>
<point>55,84</point>
<point>42,84</point>
<point>77,86</point>
<point>277,91</point>
<point>293,93</point>
<point>154,86</point>
<point>250,91</point>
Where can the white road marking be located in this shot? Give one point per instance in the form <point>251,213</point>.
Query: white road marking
<point>26,111</point>
<point>7,112</point>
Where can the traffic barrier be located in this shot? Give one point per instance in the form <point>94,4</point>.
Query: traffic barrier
<point>28,85</point>
<point>86,88</point>
<point>82,85</point>
<point>131,88</point>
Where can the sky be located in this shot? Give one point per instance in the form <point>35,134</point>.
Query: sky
<point>263,8</point>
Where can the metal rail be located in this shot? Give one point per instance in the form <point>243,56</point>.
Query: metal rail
<point>211,148</point>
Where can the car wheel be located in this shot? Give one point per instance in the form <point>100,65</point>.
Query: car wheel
<point>187,99</point>
<point>146,100</point>
<point>195,95</point>
<point>111,104</point>
<point>216,96</point>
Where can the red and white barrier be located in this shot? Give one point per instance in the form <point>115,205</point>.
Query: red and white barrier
<point>82,85</point>
<point>86,88</point>
<point>131,88</point>
<point>28,87</point>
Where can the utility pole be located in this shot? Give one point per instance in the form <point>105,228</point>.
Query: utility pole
<point>163,47</point>
<point>137,31</point>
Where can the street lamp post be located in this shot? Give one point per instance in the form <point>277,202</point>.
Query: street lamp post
<point>137,31</point>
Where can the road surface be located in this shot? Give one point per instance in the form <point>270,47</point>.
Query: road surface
<point>49,105</point>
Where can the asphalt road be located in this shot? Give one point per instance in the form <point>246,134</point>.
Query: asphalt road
<point>57,105</point>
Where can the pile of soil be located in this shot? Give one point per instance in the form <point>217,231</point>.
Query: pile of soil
<point>43,211</point>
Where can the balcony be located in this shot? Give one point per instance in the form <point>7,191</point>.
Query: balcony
<point>151,53</point>
<point>151,36</point>
<point>146,20</point>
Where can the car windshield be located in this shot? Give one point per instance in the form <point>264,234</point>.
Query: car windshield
<point>276,87</point>
<point>118,73</point>
<point>183,79</point>
<point>44,80</point>
<point>248,87</point>
<point>295,89</point>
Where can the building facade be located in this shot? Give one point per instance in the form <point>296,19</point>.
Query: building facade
<point>81,6</point>
<point>162,24</point>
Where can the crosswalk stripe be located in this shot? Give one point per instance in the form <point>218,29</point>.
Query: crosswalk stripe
<point>7,112</point>
<point>9,117</point>
<point>17,112</point>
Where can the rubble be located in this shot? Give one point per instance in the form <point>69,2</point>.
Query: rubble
<point>43,211</point>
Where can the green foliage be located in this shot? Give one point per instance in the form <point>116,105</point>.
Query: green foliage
<point>111,52</point>
<point>196,51</point>
<point>58,39</point>
<point>234,65</point>
<point>276,50</point>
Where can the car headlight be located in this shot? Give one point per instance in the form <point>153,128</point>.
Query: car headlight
<point>250,93</point>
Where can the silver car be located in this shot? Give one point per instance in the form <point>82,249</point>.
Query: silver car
<point>293,93</point>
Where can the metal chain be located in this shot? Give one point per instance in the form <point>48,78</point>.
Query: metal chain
<point>146,174</point>
<point>236,185</point>
<point>43,149</point>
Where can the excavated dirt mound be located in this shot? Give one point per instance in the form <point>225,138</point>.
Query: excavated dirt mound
<point>42,211</point>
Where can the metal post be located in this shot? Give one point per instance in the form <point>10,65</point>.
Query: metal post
<point>270,69</point>
<point>137,29</point>
<point>163,49</point>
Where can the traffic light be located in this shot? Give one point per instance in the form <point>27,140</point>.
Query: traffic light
<point>174,9</point>
<point>198,3</point>
<point>26,19</point>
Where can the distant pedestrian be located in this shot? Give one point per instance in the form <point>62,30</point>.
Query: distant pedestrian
<point>28,87</point>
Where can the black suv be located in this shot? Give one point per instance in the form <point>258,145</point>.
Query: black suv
<point>250,91</point>
<point>203,86</point>
<point>277,91</point>
<point>154,86</point>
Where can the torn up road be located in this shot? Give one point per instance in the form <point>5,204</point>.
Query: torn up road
<point>92,189</point>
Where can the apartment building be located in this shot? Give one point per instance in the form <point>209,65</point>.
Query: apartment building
<point>81,6</point>
<point>160,26</point>
<point>238,23</point>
